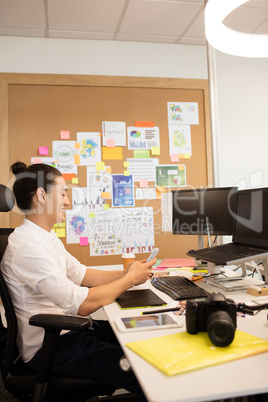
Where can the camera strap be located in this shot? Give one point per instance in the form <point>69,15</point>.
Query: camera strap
<point>251,310</point>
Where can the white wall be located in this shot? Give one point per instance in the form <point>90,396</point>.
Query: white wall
<point>242,142</point>
<point>64,56</point>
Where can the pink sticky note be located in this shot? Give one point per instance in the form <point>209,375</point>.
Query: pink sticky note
<point>64,135</point>
<point>37,160</point>
<point>43,150</point>
<point>143,183</point>
<point>174,157</point>
<point>83,241</point>
<point>110,142</point>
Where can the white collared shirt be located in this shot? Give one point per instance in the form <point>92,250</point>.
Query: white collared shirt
<point>42,277</point>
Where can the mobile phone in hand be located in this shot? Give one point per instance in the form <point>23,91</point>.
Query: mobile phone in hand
<point>153,254</point>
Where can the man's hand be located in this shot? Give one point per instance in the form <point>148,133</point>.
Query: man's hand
<point>140,271</point>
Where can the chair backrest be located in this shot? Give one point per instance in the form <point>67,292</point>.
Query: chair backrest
<point>9,335</point>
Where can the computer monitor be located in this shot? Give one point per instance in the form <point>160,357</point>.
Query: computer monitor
<point>208,211</point>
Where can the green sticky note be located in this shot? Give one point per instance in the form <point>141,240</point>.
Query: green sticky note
<point>141,153</point>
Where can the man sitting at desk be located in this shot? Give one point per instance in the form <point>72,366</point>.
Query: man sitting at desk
<point>44,278</point>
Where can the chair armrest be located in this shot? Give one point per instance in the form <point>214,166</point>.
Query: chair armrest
<point>59,322</point>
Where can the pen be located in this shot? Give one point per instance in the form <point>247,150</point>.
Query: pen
<point>164,310</point>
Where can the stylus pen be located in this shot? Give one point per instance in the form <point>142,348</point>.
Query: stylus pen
<point>164,310</point>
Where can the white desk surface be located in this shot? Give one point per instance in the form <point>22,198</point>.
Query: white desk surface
<point>242,377</point>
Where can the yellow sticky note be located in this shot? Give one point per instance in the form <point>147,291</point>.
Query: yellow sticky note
<point>77,159</point>
<point>75,180</point>
<point>56,225</point>
<point>100,166</point>
<point>92,214</point>
<point>126,173</point>
<point>126,164</point>
<point>62,225</point>
<point>106,206</point>
<point>187,156</point>
<point>60,232</point>
<point>155,151</point>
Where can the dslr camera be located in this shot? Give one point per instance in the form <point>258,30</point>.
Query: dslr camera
<point>216,315</point>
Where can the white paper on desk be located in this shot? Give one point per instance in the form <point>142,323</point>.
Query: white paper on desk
<point>115,130</point>
<point>142,168</point>
<point>63,154</point>
<point>183,113</point>
<point>179,139</point>
<point>166,208</point>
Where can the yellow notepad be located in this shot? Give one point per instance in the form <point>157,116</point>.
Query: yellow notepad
<point>182,352</point>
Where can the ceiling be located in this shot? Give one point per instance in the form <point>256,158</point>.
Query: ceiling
<point>159,21</point>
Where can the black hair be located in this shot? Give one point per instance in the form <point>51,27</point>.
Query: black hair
<point>29,179</point>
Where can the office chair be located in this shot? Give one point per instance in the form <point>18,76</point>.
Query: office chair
<point>19,380</point>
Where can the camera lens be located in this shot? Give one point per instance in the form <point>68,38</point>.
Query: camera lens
<point>220,328</point>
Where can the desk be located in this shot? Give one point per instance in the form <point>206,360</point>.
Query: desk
<point>247,376</point>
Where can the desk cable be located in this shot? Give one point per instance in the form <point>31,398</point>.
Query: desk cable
<point>251,310</point>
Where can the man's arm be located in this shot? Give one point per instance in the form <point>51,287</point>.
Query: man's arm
<point>114,283</point>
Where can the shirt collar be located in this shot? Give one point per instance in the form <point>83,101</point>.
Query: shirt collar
<point>38,231</point>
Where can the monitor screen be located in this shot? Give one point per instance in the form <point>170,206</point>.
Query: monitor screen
<point>204,211</point>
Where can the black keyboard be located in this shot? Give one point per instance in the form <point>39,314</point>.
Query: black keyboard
<point>238,250</point>
<point>178,287</point>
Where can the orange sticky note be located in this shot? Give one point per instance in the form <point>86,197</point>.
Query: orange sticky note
<point>106,194</point>
<point>144,124</point>
<point>181,156</point>
<point>108,169</point>
<point>77,159</point>
<point>64,134</point>
<point>181,167</point>
<point>77,145</point>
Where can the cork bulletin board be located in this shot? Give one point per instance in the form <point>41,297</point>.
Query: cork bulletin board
<point>37,107</point>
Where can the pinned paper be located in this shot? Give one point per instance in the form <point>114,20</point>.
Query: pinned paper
<point>110,142</point>
<point>83,241</point>
<point>143,183</point>
<point>75,180</point>
<point>100,166</point>
<point>126,172</point>
<point>141,153</point>
<point>155,150</point>
<point>64,134</point>
<point>126,164</point>
<point>77,159</point>
<point>43,150</point>
<point>174,157</point>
